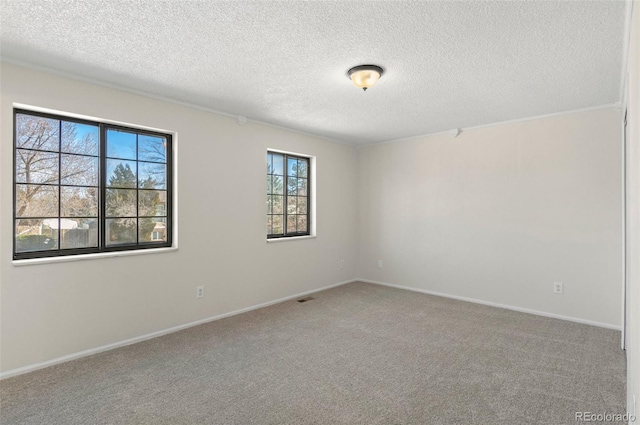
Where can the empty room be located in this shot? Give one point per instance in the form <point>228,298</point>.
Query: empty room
<point>319,212</point>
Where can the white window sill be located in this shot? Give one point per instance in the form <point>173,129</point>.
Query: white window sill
<point>68,258</point>
<point>293,238</point>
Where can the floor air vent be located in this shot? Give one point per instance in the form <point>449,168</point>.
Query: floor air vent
<point>304,300</point>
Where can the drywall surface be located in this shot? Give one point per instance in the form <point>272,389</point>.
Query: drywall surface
<point>499,214</point>
<point>633,218</point>
<point>53,310</point>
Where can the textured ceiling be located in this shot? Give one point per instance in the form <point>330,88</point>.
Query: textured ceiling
<point>447,64</point>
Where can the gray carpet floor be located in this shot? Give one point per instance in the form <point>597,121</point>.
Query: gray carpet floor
<point>355,354</point>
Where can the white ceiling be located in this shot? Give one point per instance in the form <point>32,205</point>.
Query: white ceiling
<point>447,64</point>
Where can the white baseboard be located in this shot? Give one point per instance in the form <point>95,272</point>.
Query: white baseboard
<point>492,304</point>
<point>91,351</point>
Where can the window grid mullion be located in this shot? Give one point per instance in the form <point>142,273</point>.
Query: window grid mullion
<point>102,221</point>
<point>285,190</point>
<point>59,185</point>
<point>137,191</point>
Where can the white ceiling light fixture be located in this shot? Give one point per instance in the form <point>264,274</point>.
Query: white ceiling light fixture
<point>365,76</point>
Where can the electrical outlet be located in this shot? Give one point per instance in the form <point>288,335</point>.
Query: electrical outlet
<point>199,291</point>
<point>342,264</point>
<point>380,264</point>
<point>558,288</point>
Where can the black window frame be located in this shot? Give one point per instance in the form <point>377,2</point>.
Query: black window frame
<point>285,183</point>
<point>102,246</point>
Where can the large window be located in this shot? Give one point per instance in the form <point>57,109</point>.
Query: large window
<point>84,187</point>
<point>287,195</point>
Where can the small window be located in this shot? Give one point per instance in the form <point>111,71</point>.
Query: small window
<point>85,187</point>
<point>288,185</point>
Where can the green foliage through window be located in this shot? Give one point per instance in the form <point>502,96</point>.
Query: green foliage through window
<point>287,195</point>
<point>83,187</point>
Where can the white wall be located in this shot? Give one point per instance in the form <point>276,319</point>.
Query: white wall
<point>633,217</point>
<point>496,215</point>
<point>500,213</point>
<point>52,310</point>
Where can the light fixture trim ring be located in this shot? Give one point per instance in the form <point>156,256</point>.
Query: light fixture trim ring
<point>376,68</point>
